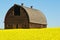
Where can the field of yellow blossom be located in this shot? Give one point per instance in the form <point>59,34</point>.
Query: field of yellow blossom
<point>30,34</point>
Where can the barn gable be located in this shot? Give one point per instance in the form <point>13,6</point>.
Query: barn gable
<point>16,19</point>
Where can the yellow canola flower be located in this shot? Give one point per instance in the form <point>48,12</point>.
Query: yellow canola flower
<point>30,34</point>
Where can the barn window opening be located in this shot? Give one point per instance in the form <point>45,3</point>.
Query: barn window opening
<point>9,26</point>
<point>44,26</point>
<point>17,11</point>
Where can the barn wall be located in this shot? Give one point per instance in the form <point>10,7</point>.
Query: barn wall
<point>35,25</point>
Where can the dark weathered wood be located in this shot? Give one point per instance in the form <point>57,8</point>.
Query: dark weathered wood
<point>21,20</point>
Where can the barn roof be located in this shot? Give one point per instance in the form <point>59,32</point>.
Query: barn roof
<point>35,16</point>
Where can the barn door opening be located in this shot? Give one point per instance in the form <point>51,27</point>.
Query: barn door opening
<point>17,26</point>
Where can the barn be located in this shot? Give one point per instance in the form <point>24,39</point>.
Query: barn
<point>20,16</point>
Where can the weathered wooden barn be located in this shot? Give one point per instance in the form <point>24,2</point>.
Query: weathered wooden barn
<point>19,16</point>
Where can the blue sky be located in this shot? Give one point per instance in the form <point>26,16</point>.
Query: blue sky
<point>50,8</point>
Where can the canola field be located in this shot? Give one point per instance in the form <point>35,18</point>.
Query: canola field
<point>30,34</point>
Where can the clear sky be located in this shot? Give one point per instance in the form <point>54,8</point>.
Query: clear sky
<point>50,8</point>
